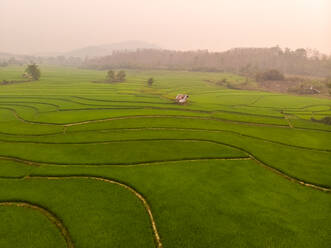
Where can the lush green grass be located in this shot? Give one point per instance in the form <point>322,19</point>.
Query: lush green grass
<point>118,152</point>
<point>24,227</point>
<point>96,214</point>
<point>224,204</point>
<point>185,160</point>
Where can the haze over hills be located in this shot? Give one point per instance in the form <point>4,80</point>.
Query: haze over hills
<point>103,50</point>
<point>91,51</point>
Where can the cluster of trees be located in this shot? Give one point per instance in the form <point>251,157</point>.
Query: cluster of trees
<point>112,76</point>
<point>246,61</point>
<point>32,71</point>
<point>270,75</point>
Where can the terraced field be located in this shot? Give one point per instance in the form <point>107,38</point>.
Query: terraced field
<point>87,164</point>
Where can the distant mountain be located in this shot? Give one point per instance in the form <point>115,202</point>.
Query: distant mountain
<point>104,50</point>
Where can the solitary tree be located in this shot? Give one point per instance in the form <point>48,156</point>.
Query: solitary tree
<point>33,71</point>
<point>121,76</point>
<point>150,81</point>
<point>110,76</point>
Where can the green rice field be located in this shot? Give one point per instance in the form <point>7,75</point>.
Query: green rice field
<point>87,165</point>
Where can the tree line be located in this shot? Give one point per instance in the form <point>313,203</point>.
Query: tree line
<point>31,73</point>
<point>245,61</point>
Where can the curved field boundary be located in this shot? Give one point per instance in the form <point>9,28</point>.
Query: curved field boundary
<point>142,107</point>
<point>118,101</point>
<point>170,116</point>
<point>249,155</point>
<point>175,109</point>
<point>150,128</point>
<point>81,103</point>
<point>18,117</point>
<point>292,179</point>
<point>30,135</point>
<point>4,106</point>
<point>184,117</point>
<point>145,116</point>
<point>41,103</point>
<point>23,161</point>
<point>158,116</point>
<point>42,163</point>
<point>125,186</point>
<point>110,107</point>
<point>50,216</point>
<point>288,120</point>
<point>199,129</point>
<point>277,109</point>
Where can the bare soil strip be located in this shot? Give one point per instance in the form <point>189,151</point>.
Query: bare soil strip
<point>50,216</point>
<point>132,190</point>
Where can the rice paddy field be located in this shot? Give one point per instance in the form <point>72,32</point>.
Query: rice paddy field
<point>86,164</point>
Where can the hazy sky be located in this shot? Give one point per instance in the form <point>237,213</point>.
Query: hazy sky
<point>34,26</point>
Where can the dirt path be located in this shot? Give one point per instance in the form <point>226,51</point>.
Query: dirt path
<point>96,165</point>
<point>50,216</point>
<point>129,188</point>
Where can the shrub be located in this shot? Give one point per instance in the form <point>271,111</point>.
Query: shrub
<point>270,75</point>
<point>115,77</point>
<point>150,81</point>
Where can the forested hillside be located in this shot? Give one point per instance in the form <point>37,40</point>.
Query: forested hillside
<point>238,60</point>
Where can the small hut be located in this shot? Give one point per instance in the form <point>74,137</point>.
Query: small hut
<point>181,98</point>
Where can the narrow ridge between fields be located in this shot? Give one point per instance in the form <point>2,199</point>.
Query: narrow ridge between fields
<point>249,154</point>
<point>50,216</point>
<point>158,116</point>
<point>150,128</point>
<point>43,163</point>
<point>110,107</point>
<point>146,205</point>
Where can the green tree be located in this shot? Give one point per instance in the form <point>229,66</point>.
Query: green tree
<point>111,77</point>
<point>121,76</point>
<point>150,81</point>
<point>33,71</point>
